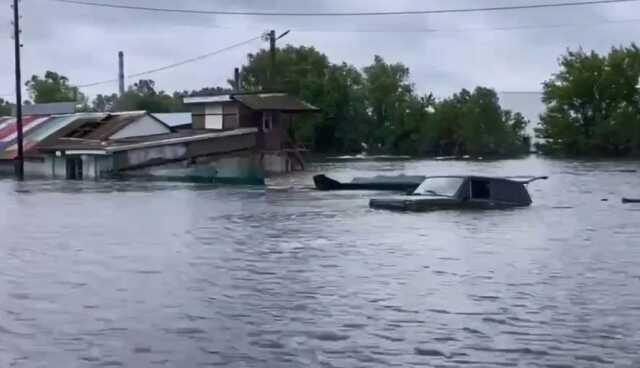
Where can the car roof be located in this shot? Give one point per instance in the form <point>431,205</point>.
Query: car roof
<point>475,177</point>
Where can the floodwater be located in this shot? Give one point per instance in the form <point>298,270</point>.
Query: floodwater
<point>185,275</point>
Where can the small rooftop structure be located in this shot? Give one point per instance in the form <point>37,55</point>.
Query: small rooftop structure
<point>271,113</point>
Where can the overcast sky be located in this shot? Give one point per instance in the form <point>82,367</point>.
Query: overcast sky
<point>445,52</point>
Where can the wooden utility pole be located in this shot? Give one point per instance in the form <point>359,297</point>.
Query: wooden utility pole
<point>236,79</point>
<point>121,73</point>
<point>272,53</point>
<point>19,164</point>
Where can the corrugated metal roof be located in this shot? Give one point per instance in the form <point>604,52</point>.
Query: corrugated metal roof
<point>89,132</point>
<point>35,128</point>
<point>274,101</point>
<point>207,99</point>
<point>259,101</point>
<point>174,119</point>
<point>125,144</point>
<point>46,130</point>
<point>113,124</point>
<point>41,132</point>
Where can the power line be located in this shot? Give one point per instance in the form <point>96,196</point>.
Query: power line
<point>174,65</point>
<point>343,14</point>
<point>473,29</point>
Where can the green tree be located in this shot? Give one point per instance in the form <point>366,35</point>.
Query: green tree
<point>593,104</point>
<point>308,74</point>
<point>5,107</point>
<point>344,121</point>
<point>298,70</point>
<point>53,87</point>
<point>377,108</point>
<point>105,103</point>
<point>142,95</point>
<point>389,94</point>
<point>473,123</point>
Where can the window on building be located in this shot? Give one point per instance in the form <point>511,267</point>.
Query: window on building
<point>267,121</point>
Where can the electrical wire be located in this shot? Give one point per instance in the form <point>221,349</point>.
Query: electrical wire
<point>342,14</point>
<point>174,65</point>
<point>473,29</point>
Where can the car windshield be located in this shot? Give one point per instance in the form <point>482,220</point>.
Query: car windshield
<point>439,186</point>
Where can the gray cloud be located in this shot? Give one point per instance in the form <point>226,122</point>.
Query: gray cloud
<point>83,42</point>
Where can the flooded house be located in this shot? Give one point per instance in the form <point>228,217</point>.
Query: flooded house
<point>272,114</point>
<point>230,138</point>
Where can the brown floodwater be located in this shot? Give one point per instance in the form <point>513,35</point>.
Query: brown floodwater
<point>141,274</point>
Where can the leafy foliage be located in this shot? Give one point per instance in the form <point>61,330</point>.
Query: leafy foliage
<point>375,109</point>
<point>473,123</point>
<point>378,109</point>
<point>5,108</point>
<point>143,96</point>
<point>105,103</point>
<point>593,104</point>
<point>53,87</point>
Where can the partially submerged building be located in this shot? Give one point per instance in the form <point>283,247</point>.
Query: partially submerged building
<point>240,137</point>
<point>272,114</point>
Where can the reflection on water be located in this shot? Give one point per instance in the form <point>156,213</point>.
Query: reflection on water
<point>183,275</point>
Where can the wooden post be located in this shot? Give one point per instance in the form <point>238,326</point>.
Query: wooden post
<point>236,79</point>
<point>19,168</point>
<point>121,73</point>
<point>272,52</point>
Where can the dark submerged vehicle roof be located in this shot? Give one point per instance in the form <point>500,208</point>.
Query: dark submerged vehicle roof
<point>502,189</point>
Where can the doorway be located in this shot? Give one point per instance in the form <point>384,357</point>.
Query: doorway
<point>74,168</point>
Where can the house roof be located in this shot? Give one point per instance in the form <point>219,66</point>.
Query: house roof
<point>259,101</point>
<point>274,101</point>
<point>174,119</point>
<point>207,99</point>
<point>125,144</point>
<point>90,132</point>
<point>35,129</point>
<point>68,144</point>
<point>111,125</point>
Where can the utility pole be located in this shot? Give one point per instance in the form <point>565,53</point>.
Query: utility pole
<point>272,53</point>
<point>121,73</point>
<point>236,79</point>
<point>19,165</point>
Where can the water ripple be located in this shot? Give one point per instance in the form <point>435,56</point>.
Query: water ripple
<point>178,275</point>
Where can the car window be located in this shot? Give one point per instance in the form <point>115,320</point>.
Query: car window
<point>447,187</point>
<point>480,189</point>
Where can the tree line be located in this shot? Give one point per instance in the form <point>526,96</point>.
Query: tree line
<point>375,109</point>
<point>378,108</point>
<point>592,105</point>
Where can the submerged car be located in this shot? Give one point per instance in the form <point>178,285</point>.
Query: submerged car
<point>401,183</point>
<point>461,192</point>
